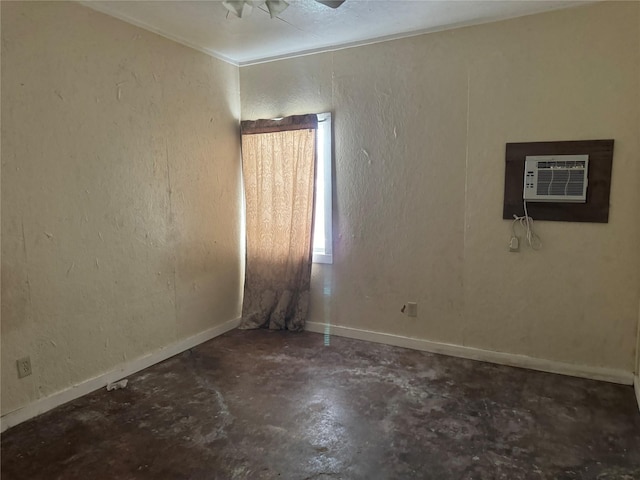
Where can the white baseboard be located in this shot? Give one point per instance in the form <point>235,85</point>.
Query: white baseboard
<point>510,359</point>
<point>45,404</point>
<point>636,384</point>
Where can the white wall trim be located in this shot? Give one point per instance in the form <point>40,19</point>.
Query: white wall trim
<point>636,384</point>
<point>123,370</point>
<point>510,359</point>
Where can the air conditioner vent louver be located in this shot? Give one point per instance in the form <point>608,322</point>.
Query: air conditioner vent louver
<point>556,178</point>
<point>560,182</point>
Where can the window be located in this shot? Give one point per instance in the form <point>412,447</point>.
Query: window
<point>322,236</point>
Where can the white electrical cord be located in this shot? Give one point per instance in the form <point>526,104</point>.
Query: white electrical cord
<point>526,222</point>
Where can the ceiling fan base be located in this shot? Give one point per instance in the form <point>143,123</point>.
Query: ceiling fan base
<point>242,8</point>
<point>331,3</point>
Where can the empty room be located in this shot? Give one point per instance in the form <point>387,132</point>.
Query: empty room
<point>320,239</point>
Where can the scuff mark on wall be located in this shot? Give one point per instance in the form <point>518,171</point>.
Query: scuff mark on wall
<point>26,262</point>
<point>24,242</point>
<point>169,190</point>
<point>135,77</point>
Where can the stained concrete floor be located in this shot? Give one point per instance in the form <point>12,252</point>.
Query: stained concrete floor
<point>266,405</point>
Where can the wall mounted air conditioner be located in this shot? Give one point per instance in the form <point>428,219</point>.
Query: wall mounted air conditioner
<point>556,178</point>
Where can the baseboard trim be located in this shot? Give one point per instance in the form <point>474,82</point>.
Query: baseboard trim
<point>45,404</point>
<point>510,359</point>
<point>636,386</point>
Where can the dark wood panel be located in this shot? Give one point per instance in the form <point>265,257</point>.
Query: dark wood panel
<point>596,208</point>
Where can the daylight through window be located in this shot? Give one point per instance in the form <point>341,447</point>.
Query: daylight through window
<point>322,235</point>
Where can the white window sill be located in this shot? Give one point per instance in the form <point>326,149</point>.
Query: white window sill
<point>326,258</point>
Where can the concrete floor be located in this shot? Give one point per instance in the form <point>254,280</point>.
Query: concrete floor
<point>265,405</point>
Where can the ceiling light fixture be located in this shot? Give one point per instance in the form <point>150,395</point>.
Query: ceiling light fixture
<point>244,7</point>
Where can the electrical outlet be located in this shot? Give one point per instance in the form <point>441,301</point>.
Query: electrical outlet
<point>412,309</point>
<point>514,244</point>
<point>24,367</point>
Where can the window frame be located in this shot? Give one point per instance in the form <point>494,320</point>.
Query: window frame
<point>325,255</point>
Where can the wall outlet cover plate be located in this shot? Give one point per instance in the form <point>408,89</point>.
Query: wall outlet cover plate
<point>24,367</point>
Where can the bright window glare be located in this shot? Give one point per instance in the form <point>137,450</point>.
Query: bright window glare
<point>318,232</point>
<point>322,243</point>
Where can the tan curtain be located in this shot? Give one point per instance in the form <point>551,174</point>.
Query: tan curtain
<point>278,165</point>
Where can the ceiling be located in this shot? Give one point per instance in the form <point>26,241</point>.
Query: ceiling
<point>307,26</point>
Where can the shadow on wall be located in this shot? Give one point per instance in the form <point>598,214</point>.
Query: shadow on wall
<point>16,297</point>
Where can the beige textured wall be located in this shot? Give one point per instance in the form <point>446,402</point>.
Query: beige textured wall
<point>638,351</point>
<point>637,379</point>
<point>420,132</point>
<point>120,195</point>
